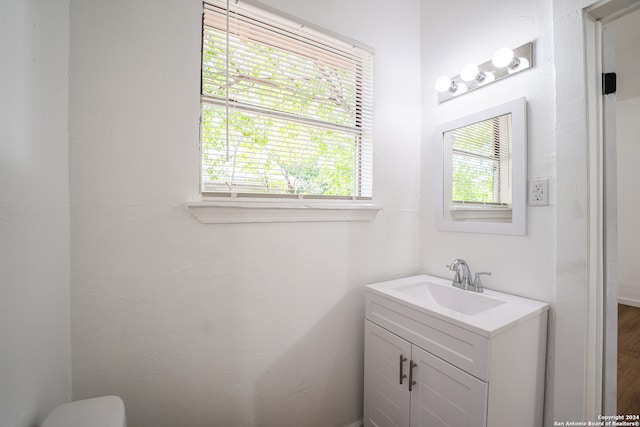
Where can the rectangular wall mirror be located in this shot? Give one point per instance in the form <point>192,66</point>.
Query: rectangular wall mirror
<point>481,171</point>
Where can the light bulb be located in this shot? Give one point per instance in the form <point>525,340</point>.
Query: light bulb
<point>444,84</point>
<point>469,72</point>
<point>503,57</point>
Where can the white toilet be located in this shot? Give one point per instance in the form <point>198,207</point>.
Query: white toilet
<point>105,411</point>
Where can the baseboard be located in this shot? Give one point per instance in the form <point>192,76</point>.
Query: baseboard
<point>356,424</point>
<point>626,301</point>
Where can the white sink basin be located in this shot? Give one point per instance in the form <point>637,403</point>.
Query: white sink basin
<point>486,313</point>
<point>466,302</point>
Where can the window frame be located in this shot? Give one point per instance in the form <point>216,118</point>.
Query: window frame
<point>228,208</point>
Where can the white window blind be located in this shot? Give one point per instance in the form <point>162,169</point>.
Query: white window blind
<point>285,110</point>
<point>481,163</point>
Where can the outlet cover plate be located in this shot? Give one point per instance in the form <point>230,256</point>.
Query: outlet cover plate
<point>539,192</point>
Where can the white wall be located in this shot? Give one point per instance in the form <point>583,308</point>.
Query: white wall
<point>444,51</point>
<point>35,359</point>
<point>226,325</point>
<point>628,138</point>
<point>457,32</point>
<point>557,260</point>
<point>578,295</point>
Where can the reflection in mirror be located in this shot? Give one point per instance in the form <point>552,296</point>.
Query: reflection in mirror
<point>481,185</point>
<point>480,174</point>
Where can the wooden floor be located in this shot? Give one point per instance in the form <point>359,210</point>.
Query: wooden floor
<point>628,360</point>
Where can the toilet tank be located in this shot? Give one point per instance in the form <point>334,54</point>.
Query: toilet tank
<point>105,411</point>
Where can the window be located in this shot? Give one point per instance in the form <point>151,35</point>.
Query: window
<point>286,111</point>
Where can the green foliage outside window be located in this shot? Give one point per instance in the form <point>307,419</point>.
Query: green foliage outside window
<point>270,148</point>
<point>477,162</point>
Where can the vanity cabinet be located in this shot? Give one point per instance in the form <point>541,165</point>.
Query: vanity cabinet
<point>442,395</point>
<point>425,370</point>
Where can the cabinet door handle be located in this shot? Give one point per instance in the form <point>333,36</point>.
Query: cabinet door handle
<point>412,365</point>
<point>402,375</point>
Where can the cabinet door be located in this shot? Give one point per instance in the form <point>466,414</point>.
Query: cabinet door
<point>445,395</point>
<point>386,401</point>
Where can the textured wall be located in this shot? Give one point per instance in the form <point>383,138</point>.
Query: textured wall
<point>35,347</point>
<point>574,336</point>
<point>221,325</point>
<point>466,32</point>
<point>508,23</point>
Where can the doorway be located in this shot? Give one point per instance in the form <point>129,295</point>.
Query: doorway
<point>627,131</point>
<point>621,232</point>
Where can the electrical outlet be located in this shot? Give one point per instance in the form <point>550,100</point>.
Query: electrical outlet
<point>539,192</point>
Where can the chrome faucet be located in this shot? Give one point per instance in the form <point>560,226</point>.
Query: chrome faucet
<point>462,278</point>
<point>463,274</point>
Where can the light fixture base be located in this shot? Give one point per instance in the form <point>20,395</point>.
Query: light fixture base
<point>522,60</point>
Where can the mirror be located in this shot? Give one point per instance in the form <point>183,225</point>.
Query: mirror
<point>481,171</point>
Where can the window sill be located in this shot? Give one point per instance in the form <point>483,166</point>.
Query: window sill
<point>480,213</point>
<point>241,212</point>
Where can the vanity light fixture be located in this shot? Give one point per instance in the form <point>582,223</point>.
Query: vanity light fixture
<point>505,62</point>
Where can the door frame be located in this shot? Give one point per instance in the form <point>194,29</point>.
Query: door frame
<point>603,272</point>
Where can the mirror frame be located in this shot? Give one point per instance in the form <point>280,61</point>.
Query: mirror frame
<point>518,225</point>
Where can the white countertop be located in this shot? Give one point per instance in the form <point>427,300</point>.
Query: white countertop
<point>437,297</point>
